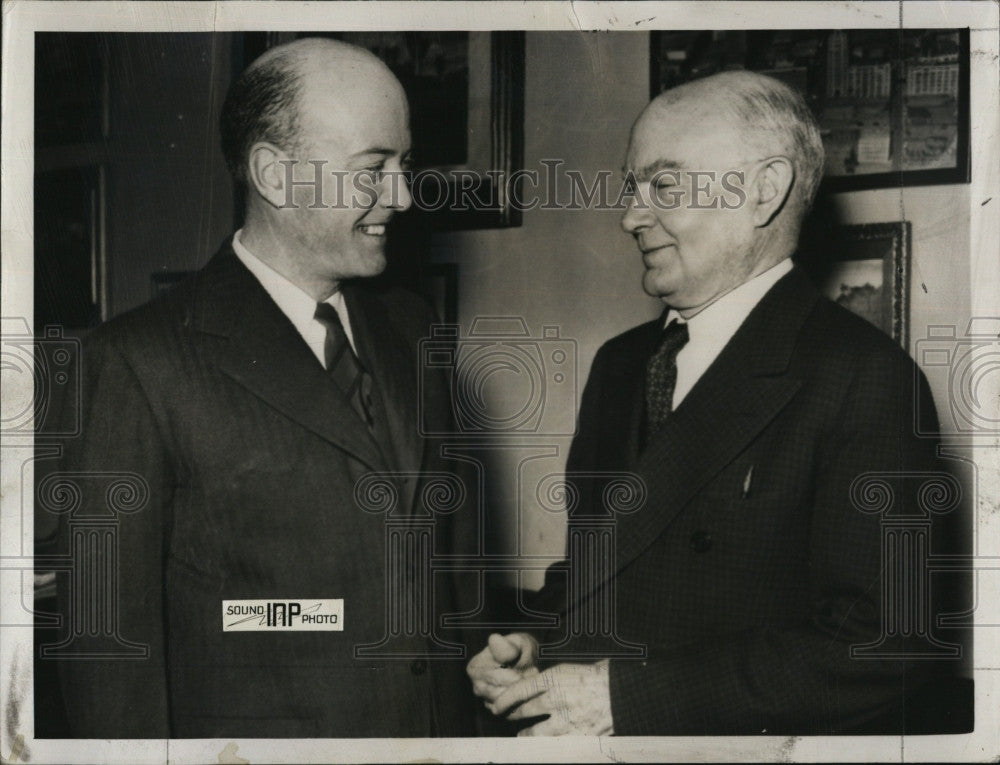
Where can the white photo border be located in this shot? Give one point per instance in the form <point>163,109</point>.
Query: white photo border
<point>21,19</point>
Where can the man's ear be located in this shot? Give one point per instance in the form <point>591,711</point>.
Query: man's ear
<point>266,173</point>
<point>772,186</point>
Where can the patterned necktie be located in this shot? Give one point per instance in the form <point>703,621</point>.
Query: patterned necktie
<point>343,366</point>
<point>661,376</point>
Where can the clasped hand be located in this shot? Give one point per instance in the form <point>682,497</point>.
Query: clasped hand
<point>576,697</point>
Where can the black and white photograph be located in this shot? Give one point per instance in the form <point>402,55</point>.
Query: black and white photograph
<point>499,381</point>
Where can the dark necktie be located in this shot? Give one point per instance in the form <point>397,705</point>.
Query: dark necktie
<point>661,376</point>
<point>343,366</point>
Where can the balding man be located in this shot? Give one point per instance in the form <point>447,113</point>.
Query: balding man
<point>250,401</point>
<point>748,409</point>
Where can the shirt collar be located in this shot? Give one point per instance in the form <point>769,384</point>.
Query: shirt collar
<point>721,319</point>
<point>294,302</point>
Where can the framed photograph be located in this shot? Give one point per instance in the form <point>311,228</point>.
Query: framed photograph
<point>893,105</point>
<point>866,269</point>
<point>72,125</point>
<point>70,252</point>
<point>466,92</point>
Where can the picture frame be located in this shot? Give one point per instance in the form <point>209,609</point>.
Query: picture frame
<point>866,269</point>
<point>893,105</point>
<point>72,125</point>
<point>71,265</point>
<point>493,121</point>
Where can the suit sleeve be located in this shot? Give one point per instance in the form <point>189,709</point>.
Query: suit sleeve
<point>803,679</point>
<point>582,458</point>
<point>110,692</point>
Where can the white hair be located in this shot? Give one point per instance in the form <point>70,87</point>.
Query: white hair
<point>771,115</point>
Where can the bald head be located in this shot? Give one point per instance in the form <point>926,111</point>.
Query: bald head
<point>763,115</point>
<point>269,101</point>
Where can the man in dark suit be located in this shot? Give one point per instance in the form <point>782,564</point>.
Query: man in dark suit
<point>748,410</point>
<point>247,405</point>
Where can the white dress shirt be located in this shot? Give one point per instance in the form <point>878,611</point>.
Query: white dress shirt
<point>294,302</point>
<point>710,329</point>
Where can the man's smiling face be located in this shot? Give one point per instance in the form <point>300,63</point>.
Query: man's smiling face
<point>692,256</point>
<point>355,128</point>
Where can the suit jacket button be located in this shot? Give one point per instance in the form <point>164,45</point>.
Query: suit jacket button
<point>418,667</point>
<point>701,541</point>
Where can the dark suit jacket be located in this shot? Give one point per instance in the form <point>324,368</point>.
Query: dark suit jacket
<point>252,455</point>
<point>749,604</point>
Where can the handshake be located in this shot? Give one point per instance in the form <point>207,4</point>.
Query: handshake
<point>571,699</point>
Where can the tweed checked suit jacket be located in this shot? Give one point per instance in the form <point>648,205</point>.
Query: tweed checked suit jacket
<point>748,574</point>
<point>251,455</point>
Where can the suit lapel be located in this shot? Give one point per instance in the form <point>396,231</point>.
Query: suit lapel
<point>261,350</point>
<point>623,407</point>
<point>393,365</point>
<point>695,444</point>
<point>741,392</point>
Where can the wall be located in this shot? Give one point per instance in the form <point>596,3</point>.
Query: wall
<point>939,266</point>
<point>573,269</point>
<point>169,195</point>
<point>578,270</point>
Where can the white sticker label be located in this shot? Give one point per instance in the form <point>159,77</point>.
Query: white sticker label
<point>283,615</point>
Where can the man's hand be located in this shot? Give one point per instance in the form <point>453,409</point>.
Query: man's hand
<point>577,698</point>
<point>506,660</point>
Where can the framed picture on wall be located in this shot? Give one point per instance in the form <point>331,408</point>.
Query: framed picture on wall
<point>466,92</point>
<point>72,124</point>
<point>71,284</point>
<point>893,105</point>
<point>866,269</point>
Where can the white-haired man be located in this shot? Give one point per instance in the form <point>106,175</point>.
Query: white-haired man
<point>747,410</point>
